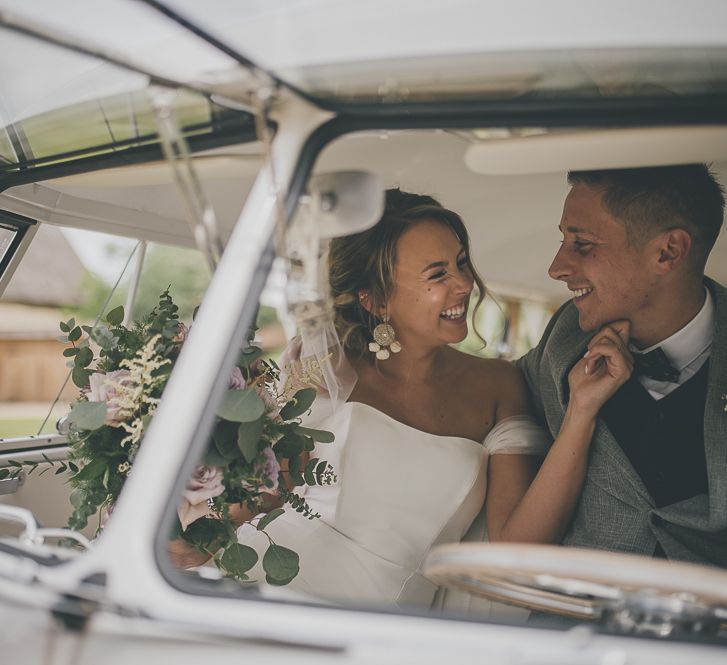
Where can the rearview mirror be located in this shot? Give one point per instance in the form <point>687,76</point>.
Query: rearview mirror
<point>344,202</point>
<point>335,204</point>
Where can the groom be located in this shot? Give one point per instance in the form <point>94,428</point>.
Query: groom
<point>635,244</point>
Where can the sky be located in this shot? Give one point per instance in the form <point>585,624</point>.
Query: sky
<point>102,254</point>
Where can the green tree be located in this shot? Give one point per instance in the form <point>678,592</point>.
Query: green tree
<point>183,270</point>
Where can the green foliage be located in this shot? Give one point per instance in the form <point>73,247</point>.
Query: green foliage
<point>186,269</point>
<point>248,437</point>
<point>301,402</point>
<point>237,559</point>
<point>258,431</point>
<point>87,415</point>
<point>241,406</point>
<point>322,436</point>
<point>264,521</point>
<point>281,565</point>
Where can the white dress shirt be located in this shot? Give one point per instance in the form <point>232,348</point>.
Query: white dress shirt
<point>687,350</point>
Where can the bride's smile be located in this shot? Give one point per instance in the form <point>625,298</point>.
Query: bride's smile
<point>433,282</point>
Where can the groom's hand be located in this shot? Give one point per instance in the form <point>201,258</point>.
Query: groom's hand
<point>617,334</point>
<point>607,365</point>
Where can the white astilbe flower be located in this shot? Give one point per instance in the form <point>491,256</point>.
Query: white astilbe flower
<point>134,395</point>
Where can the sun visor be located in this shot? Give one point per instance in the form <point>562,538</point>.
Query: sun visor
<point>598,149</point>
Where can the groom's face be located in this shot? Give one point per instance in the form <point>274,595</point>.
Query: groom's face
<point>609,278</point>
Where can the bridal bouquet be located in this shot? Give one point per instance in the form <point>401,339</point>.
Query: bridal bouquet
<point>256,449</point>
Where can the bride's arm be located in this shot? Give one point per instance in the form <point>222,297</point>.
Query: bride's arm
<point>525,506</point>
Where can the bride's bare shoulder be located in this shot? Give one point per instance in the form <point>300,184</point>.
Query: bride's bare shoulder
<point>498,378</point>
<point>485,369</point>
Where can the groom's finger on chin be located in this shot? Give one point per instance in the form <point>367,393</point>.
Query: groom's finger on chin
<point>610,349</point>
<point>613,337</point>
<point>622,328</point>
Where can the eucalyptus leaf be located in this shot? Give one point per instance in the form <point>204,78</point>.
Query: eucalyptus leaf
<point>248,437</point>
<point>78,498</point>
<point>93,469</point>
<point>176,530</point>
<point>68,353</point>
<point>83,357</point>
<point>206,533</point>
<point>290,445</point>
<point>275,582</point>
<point>213,457</point>
<point>241,406</point>
<point>74,335</point>
<point>308,476</point>
<point>224,437</point>
<point>88,415</point>
<point>80,376</point>
<point>301,402</point>
<point>104,337</point>
<point>115,316</point>
<point>294,474</point>
<point>249,355</point>
<point>320,435</point>
<point>273,514</point>
<point>281,565</point>
<point>238,559</point>
<point>64,327</point>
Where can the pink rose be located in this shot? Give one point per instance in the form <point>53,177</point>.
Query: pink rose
<point>205,484</point>
<point>265,468</point>
<point>109,388</point>
<point>236,382</point>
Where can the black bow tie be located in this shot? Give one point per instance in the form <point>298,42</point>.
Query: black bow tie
<point>655,365</point>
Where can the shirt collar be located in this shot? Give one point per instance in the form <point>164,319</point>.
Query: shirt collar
<point>691,341</point>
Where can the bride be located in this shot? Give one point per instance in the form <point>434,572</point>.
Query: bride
<point>427,432</point>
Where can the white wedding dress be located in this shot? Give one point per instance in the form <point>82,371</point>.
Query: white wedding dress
<point>399,492</point>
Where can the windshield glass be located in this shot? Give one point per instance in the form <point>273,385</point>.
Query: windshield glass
<point>106,111</point>
<point>414,51</point>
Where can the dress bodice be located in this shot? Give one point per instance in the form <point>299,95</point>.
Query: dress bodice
<point>399,491</point>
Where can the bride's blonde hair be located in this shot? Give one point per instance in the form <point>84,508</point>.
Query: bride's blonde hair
<point>365,261</point>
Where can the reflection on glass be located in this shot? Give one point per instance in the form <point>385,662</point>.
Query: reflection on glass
<point>6,239</point>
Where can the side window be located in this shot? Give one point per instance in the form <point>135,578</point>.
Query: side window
<point>75,274</point>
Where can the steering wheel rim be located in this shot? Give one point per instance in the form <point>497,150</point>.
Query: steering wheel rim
<point>579,583</point>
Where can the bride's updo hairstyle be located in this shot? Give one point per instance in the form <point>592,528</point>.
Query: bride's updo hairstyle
<point>365,261</point>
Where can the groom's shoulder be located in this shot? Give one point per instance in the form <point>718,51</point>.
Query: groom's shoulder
<point>563,322</point>
<point>565,315</point>
<point>561,329</point>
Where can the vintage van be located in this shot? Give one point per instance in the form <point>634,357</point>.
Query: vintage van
<point>252,131</point>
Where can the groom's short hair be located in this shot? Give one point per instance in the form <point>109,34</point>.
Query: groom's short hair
<point>653,199</point>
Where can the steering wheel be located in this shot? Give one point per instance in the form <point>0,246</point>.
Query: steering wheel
<point>624,592</point>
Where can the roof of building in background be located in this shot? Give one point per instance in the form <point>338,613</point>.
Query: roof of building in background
<point>49,274</point>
